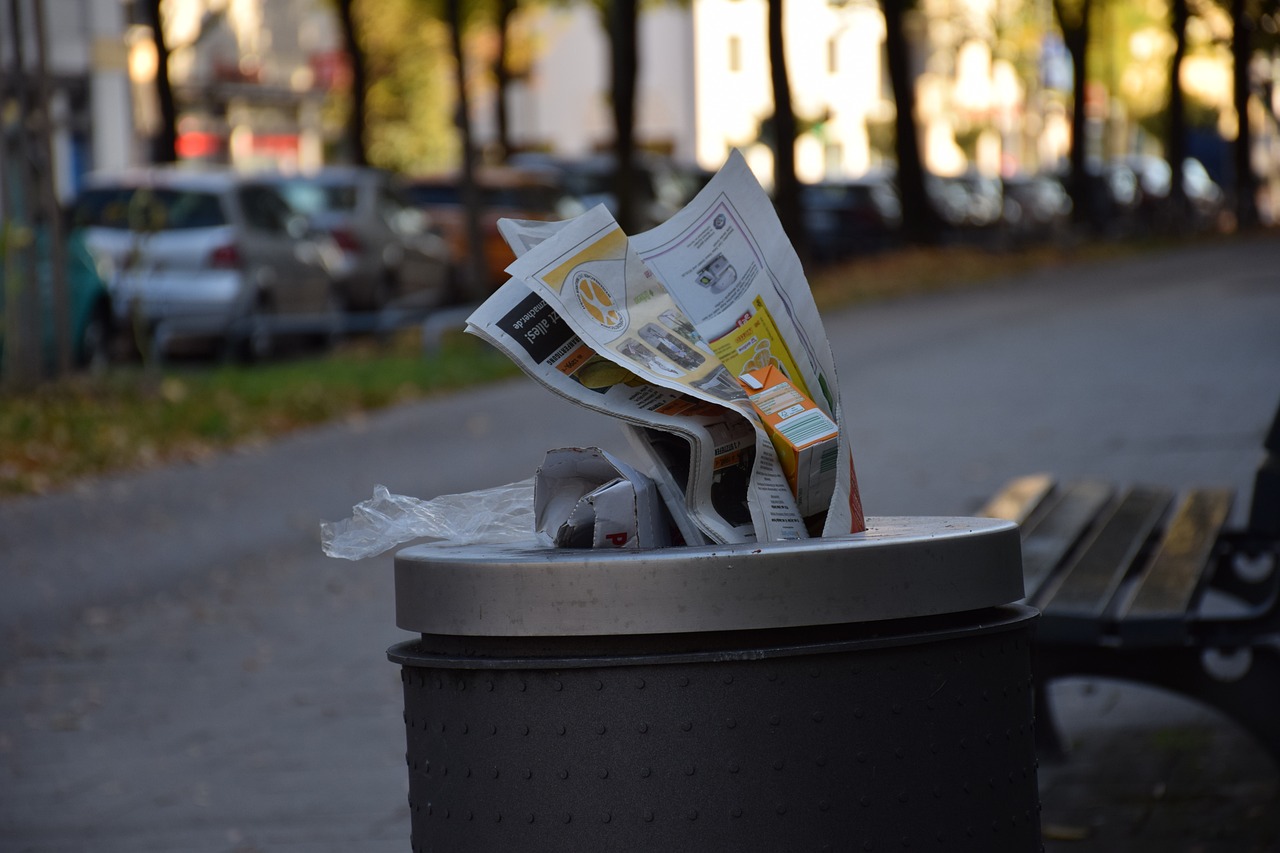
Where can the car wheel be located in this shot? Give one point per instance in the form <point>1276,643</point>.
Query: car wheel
<point>384,292</point>
<point>95,351</point>
<point>261,341</point>
<point>254,340</point>
<point>334,321</point>
<point>453,292</point>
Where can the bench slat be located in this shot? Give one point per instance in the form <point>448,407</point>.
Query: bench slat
<point>1163,591</point>
<point>1077,599</point>
<point>1053,529</point>
<point>1019,498</point>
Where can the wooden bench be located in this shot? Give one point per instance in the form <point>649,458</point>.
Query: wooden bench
<point>1147,585</point>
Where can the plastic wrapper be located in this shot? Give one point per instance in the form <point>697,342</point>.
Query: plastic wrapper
<point>500,515</point>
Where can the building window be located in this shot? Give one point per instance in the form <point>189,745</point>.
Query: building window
<point>735,54</point>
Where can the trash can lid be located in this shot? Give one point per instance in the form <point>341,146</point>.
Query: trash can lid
<point>901,567</point>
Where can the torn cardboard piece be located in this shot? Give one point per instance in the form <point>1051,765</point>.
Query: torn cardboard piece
<point>584,497</point>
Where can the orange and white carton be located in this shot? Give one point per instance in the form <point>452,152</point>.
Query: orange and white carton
<point>802,434</point>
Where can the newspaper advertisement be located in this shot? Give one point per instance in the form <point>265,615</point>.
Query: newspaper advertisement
<point>706,446</point>
<point>722,271</point>
<point>593,279</point>
<point>699,454</point>
<point>726,262</point>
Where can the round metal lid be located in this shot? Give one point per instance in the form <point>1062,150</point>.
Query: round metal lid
<point>899,568</point>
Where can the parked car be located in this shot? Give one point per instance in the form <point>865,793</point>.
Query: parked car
<point>1205,198</point>
<point>206,254</point>
<point>659,187</point>
<point>1036,206</point>
<point>1111,196</point>
<point>505,192</point>
<point>89,303</point>
<point>850,216</point>
<point>966,201</point>
<point>392,255</point>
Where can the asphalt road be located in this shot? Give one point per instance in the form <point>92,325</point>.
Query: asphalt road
<point>182,669</point>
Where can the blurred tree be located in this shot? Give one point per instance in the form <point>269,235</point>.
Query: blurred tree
<point>1253,29</point>
<point>1130,50</point>
<point>1246,182</point>
<point>621,19</point>
<point>1019,31</point>
<point>786,188</point>
<point>1073,20</point>
<point>505,10</point>
<point>410,95</point>
<point>920,222</point>
<point>355,136</point>
<point>164,145</point>
<point>19,218</point>
<point>474,272</point>
<point>1176,133</point>
<point>34,290</point>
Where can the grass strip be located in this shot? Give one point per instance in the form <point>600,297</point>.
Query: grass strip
<point>133,416</point>
<point>136,416</point>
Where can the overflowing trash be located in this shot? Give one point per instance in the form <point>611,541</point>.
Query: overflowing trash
<point>702,338</point>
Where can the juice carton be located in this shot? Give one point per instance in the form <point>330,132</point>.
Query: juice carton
<point>802,434</point>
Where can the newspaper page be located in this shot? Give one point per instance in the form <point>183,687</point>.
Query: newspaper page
<point>698,454</point>
<point>706,445</point>
<point>727,263</point>
<point>592,279</point>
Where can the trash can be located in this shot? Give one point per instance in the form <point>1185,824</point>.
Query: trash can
<point>870,692</point>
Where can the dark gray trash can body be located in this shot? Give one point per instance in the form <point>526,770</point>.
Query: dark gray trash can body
<point>795,722</point>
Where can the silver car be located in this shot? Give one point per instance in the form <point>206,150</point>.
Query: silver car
<point>207,254</point>
<point>391,254</point>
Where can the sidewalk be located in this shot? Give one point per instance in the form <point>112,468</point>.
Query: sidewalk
<point>181,669</point>
<point>1151,772</point>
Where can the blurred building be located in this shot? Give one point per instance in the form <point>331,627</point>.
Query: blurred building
<point>705,86</point>
<point>560,103</point>
<point>704,82</point>
<point>86,80</point>
<point>251,78</point>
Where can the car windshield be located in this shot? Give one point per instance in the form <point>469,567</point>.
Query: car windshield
<point>837,193</point>
<point>521,196</point>
<point>433,194</point>
<point>311,198</point>
<point>147,209</point>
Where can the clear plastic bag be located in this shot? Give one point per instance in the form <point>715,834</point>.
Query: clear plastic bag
<point>500,515</point>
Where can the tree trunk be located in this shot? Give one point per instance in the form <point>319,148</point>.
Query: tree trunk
<point>1246,182</point>
<point>356,148</point>
<point>164,146</point>
<point>622,19</point>
<point>786,189</point>
<point>920,223</point>
<point>1075,35</point>
<point>502,78</point>
<point>1176,141</point>
<point>475,275</point>
<point>22,315</point>
<point>50,209</point>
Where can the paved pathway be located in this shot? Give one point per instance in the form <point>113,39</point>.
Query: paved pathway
<point>181,669</point>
